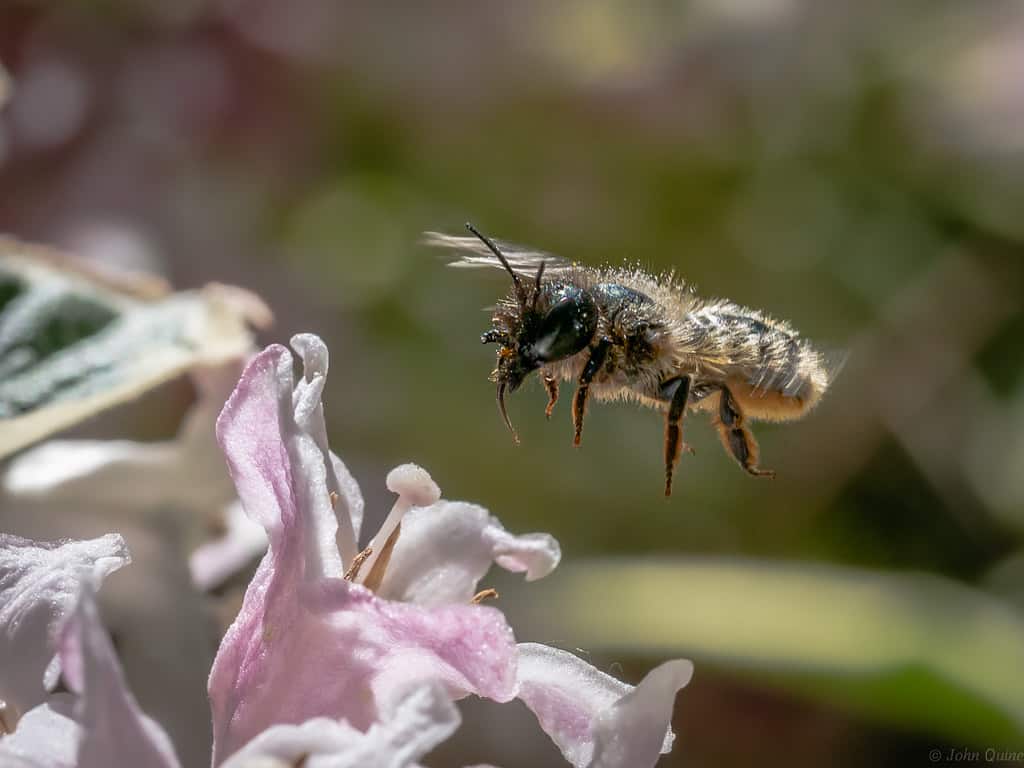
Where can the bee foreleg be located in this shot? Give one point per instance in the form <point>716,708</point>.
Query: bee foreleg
<point>680,393</point>
<point>579,400</point>
<point>736,437</point>
<point>551,385</point>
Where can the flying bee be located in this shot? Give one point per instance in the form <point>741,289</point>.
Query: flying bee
<point>625,334</point>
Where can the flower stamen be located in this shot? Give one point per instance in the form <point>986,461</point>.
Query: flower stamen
<point>484,594</point>
<point>4,727</point>
<point>415,488</point>
<point>357,563</point>
<point>375,577</point>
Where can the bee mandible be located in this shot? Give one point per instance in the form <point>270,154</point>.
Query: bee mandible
<point>621,333</point>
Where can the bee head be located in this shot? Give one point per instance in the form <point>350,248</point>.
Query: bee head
<point>532,331</point>
<point>544,332</point>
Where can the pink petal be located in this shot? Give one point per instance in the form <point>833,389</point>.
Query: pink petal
<point>114,730</point>
<point>306,643</point>
<point>596,720</point>
<point>39,585</point>
<point>45,738</point>
<point>421,720</point>
<point>251,438</point>
<point>445,549</point>
<point>279,467</point>
<point>343,653</point>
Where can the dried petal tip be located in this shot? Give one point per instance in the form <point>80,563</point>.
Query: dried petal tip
<point>313,352</point>
<point>414,484</point>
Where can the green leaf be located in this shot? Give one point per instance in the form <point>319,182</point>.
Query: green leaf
<point>75,340</point>
<point>910,649</point>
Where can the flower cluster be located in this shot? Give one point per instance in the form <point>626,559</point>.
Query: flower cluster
<point>339,656</point>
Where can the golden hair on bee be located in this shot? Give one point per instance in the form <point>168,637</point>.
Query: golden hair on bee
<point>624,333</point>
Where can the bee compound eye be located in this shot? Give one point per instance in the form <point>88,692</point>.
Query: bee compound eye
<point>567,328</point>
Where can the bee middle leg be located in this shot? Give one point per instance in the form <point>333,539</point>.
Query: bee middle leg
<point>598,354</point>
<point>736,437</point>
<point>680,394</point>
<point>551,385</point>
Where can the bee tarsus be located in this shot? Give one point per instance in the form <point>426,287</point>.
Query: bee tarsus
<point>680,393</point>
<point>598,353</point>
<point>736,437</point>
<point>551,385</point>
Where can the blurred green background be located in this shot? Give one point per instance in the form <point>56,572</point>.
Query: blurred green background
<point>854,167</point>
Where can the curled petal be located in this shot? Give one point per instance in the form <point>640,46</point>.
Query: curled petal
<point>422,719</point>
<point>446,548</point>
<point>596,720</point>
<point>278,467</point>
<point>636,729</point>
<point>535,554</point>
<point>39,585</point>
<point>309,417</point>
<point>114,730</point>
<point>251,438</point>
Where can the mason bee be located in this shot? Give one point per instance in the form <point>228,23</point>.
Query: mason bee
<point>621,333</point>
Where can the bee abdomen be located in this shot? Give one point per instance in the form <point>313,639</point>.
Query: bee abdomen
<point>774,374</point>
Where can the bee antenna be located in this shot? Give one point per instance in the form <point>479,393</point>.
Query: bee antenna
<point>520,292</point>
<point>536,284</point>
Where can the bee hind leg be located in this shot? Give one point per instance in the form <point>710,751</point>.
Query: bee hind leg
<point>551,385</point>
<point>598,353</point>
<point>736,437</point>
<point>679,390</point>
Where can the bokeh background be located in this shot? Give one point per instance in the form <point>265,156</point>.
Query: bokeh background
<point>856,167</point>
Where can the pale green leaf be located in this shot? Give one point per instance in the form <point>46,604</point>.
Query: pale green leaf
<point>74,341</point>
<point>915,650</point>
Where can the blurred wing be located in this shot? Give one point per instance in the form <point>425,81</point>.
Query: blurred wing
<point>475,254</point>
<point>830,360</point>
<point>787,379</point>
<point>833,361</point>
